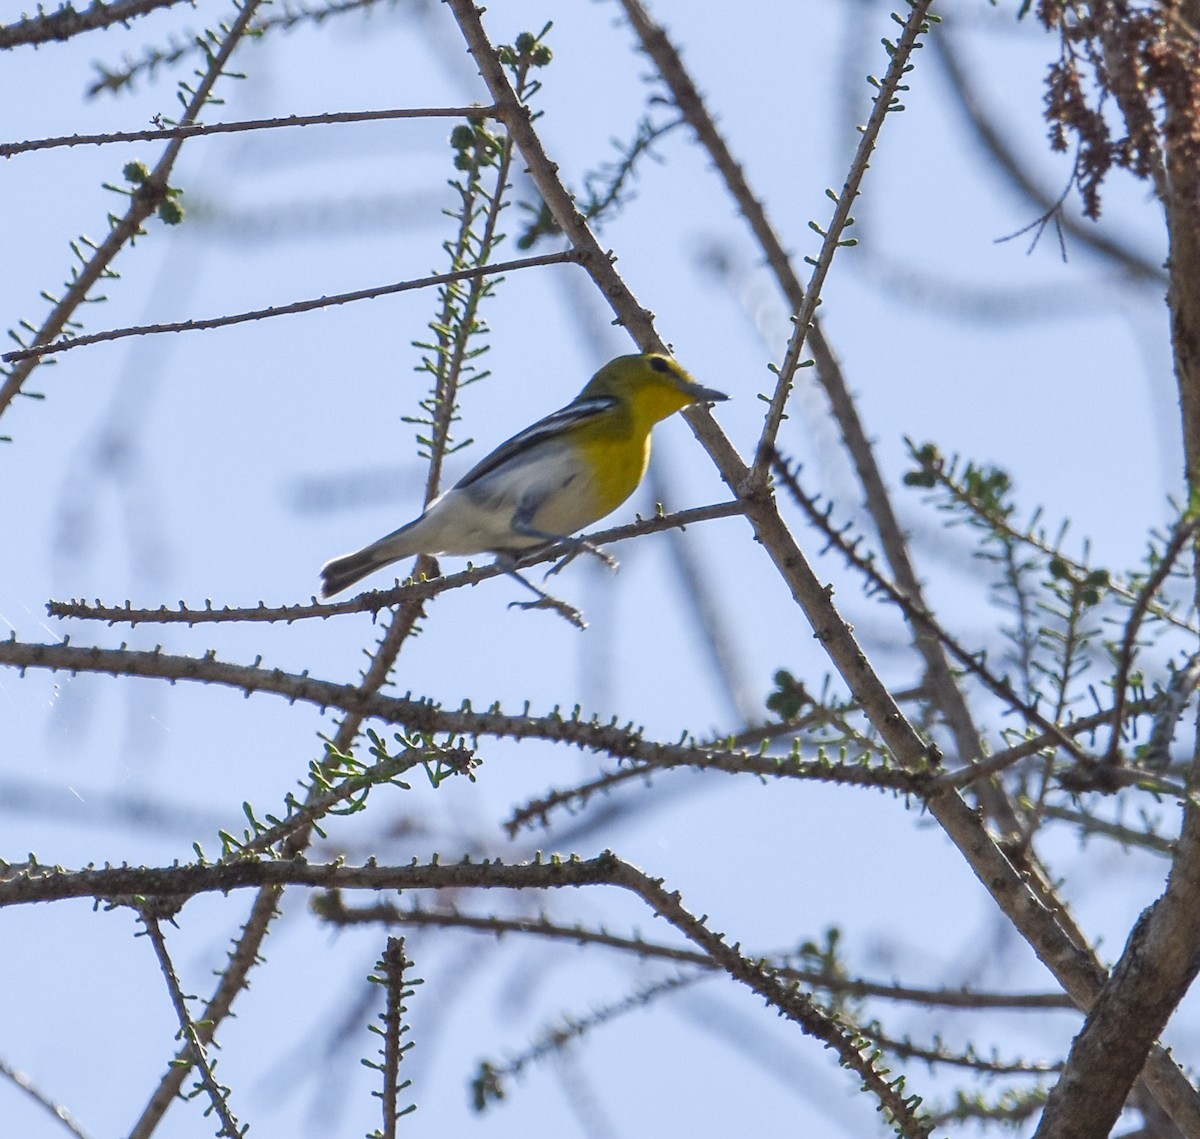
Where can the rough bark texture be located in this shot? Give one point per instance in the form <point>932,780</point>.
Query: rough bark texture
<point>1158,965</point>
<point>1162,956</point>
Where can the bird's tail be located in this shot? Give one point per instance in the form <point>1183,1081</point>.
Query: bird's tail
<point>343,572</point>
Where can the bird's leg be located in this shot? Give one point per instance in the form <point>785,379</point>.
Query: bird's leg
<point>573,547</point>
<point>522,524</point>
<point>508,563</point>
<point>577,546</point>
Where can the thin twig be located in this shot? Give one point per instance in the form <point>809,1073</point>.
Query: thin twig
<point>873,776</point>
<point>188,1031</point>
<point>994,764</point>
<point>372,600</point>
<point>391,968</point>
<point>197,130</point>
<point>487,1085</point>
<point>1145,595</point>
<point>459,324</point>
<point>939,1054</point>
<point>946,694</point>
<point>67,21</point>
<point>320,802</point>
<point>331,908</point>
<point>884,103</point>
<point>142,203</point>
<point>998,686</point>
<point>179,882</point>
<point>22,1081</point>
<point>205,324</point>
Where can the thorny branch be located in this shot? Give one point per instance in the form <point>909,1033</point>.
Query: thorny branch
<point>1026,900</point>
<point>332,908</point>
<point>371,600</point>
<point>202,325</point>
<point>1048,930</point>
<point>142,204</point>
<point>66,21</point>
<point>607,869</point>
<point>947,696</point>
<point>188,1031</point>
<point>426,717</point>
<point>199,130</point>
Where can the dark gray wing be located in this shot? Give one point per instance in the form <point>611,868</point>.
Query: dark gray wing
<point>522,443</point>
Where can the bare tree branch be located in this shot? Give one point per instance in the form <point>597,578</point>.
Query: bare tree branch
<point>66,21</point>
<point>199,130</point>
<point>203,325</point>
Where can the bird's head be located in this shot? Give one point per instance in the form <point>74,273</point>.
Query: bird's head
<point>652,385</point>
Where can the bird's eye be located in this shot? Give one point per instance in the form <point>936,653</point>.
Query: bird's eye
<point>659,364</point>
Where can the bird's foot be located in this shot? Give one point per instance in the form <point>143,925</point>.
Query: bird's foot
<point>582,547</point>
<point>545,601</point>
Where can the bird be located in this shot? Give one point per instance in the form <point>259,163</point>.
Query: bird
<point>537,489</point>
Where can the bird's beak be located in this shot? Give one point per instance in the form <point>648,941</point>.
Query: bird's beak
<point>706,395</point>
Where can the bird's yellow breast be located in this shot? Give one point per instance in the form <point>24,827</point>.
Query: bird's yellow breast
<point>617,466</point>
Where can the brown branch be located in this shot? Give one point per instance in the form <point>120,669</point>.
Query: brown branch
<point>885,101</point>
<point>536,812</point>
<point>189,1032</point>
<point>66,21</point>
<point>371,600</point>
<point>1155,971</point>
<point>867,776</point>
<point>392,966</point>
<point>1043,925</point>
<point>205,324</point>
<point>331,908</point>
<point>198,130</point>
<point>423,716</point>
<point>142,204</point>
<point>1181,536</point>
<point>947,696</point>
<point>34,883</point>
<point>180,882</point>
<point>57,1111</point>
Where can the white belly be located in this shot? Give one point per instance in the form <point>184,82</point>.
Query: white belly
<point>555,492</point>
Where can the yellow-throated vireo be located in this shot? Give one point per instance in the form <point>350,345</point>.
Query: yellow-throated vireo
<point>536,490</point>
